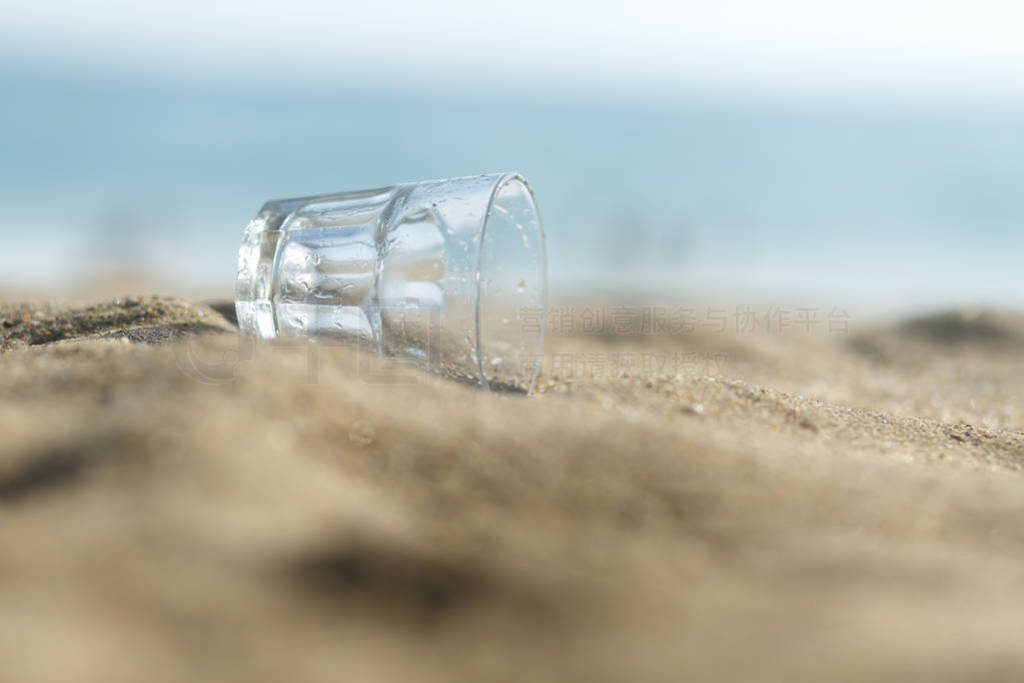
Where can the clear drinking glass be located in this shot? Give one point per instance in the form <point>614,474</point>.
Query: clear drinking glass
<point>450,274</point>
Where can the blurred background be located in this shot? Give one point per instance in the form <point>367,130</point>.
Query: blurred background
<point>866,154</point>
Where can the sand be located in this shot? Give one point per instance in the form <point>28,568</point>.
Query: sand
<point>841,502</point>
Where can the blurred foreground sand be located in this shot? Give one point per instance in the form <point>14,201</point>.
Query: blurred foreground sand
<point>176,505</point>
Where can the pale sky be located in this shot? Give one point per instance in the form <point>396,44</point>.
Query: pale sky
<point>813,45</point>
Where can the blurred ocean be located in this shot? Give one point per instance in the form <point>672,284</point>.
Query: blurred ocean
<point>899,206</point>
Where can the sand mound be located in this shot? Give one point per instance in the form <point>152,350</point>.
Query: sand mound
<point>990,328</point>
<point>798,512</point>
<point>148,319</point>
<point>945,332</point>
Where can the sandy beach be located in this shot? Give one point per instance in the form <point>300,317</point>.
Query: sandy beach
<point>692,493</point>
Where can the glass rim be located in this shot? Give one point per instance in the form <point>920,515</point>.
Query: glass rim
<point>503,180</point>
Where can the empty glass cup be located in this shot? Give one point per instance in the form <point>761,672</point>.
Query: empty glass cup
<point>450,274</point>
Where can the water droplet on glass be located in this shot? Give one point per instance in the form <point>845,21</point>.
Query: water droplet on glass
<point>521,287</point>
